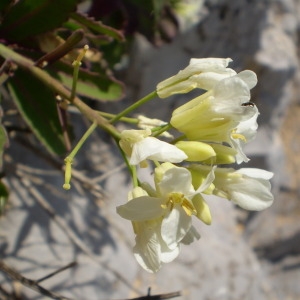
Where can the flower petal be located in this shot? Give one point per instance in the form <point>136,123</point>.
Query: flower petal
<point>249,188</point>
<point>141,208</point>
<point>175,226</point>
<point>153,148</point>
<point>188,78</point>
<point>191,235</point>
<point>256,173</point>
<point>147,248</point>
<point>176,179</point>
<point>252,194</point>
<point>249,77</point>
<point>207,181</point>
<point>229,94</point>
<point>167,254</point>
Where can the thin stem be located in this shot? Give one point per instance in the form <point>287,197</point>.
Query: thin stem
<point>82,140</point>
<point>159,130</point>
<point>134,106</point>
<point>124,157</point>
<point>134,177</point>
<point>77,64</point>
<point>131,169</point>
<point>123,119</point>
<point>70,157</point>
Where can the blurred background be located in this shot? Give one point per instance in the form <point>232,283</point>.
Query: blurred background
<point>242,255</point>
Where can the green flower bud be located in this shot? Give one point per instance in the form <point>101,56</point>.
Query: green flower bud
<point>196,151</point>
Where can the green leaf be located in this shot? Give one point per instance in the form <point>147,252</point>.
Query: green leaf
<point>36,102</point>
<point>98,26</point>
<point>3,196</point>
<point>31,17</point>
<point>94,85</point>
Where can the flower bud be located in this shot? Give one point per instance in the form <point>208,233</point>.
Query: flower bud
<point>203,211</point>
<point>196,151</point>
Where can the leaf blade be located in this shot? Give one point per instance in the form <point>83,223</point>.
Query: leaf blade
<point>36,103</point>
<point>31,17</point>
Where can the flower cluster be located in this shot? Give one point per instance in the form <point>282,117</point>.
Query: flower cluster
<point>212,129</point>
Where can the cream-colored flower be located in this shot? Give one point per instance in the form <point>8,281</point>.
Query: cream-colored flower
<point>201,73</point>
<point>249,188</point>
<point>140,146</point>
<point>150,250</point>
<point>174,204</point>
<point>216,115</point>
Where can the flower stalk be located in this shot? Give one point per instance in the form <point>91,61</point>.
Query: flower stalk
<point>134,106</point>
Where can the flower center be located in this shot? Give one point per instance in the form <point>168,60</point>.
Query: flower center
<point>178,198</point>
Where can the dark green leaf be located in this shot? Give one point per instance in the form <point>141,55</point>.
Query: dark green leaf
<point>30,17</point>
<point>3,197</point>
<point>97,86</point>
<point>97,26</point>
<point>36,102</point>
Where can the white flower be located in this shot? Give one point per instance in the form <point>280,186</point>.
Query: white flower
<point>175,203</point>
<point>201,73</point>
<point>150,249</point>
<point>248,188</point>
<point>215,115</point>
<point>174,185</point>
<point>139,146</point>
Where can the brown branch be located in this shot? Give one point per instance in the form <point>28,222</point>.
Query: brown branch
<point>57,87</point>
<point>62,49</point>
<point>32,284</point>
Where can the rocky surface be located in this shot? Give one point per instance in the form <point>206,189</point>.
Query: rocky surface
<point>241,255</point>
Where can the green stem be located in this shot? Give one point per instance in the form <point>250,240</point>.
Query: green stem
<point>82,140</point>
<point>129,167</point>
<point>161,129</point>
<point>134,106</point>
<point>76,65</point>
<point>70,157</point>
<point>134,176</point>
<point>124,119</point>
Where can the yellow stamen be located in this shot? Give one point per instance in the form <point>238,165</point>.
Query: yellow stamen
<point>188,208</point>
<point>239,136</point>
<point>178,198</point>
